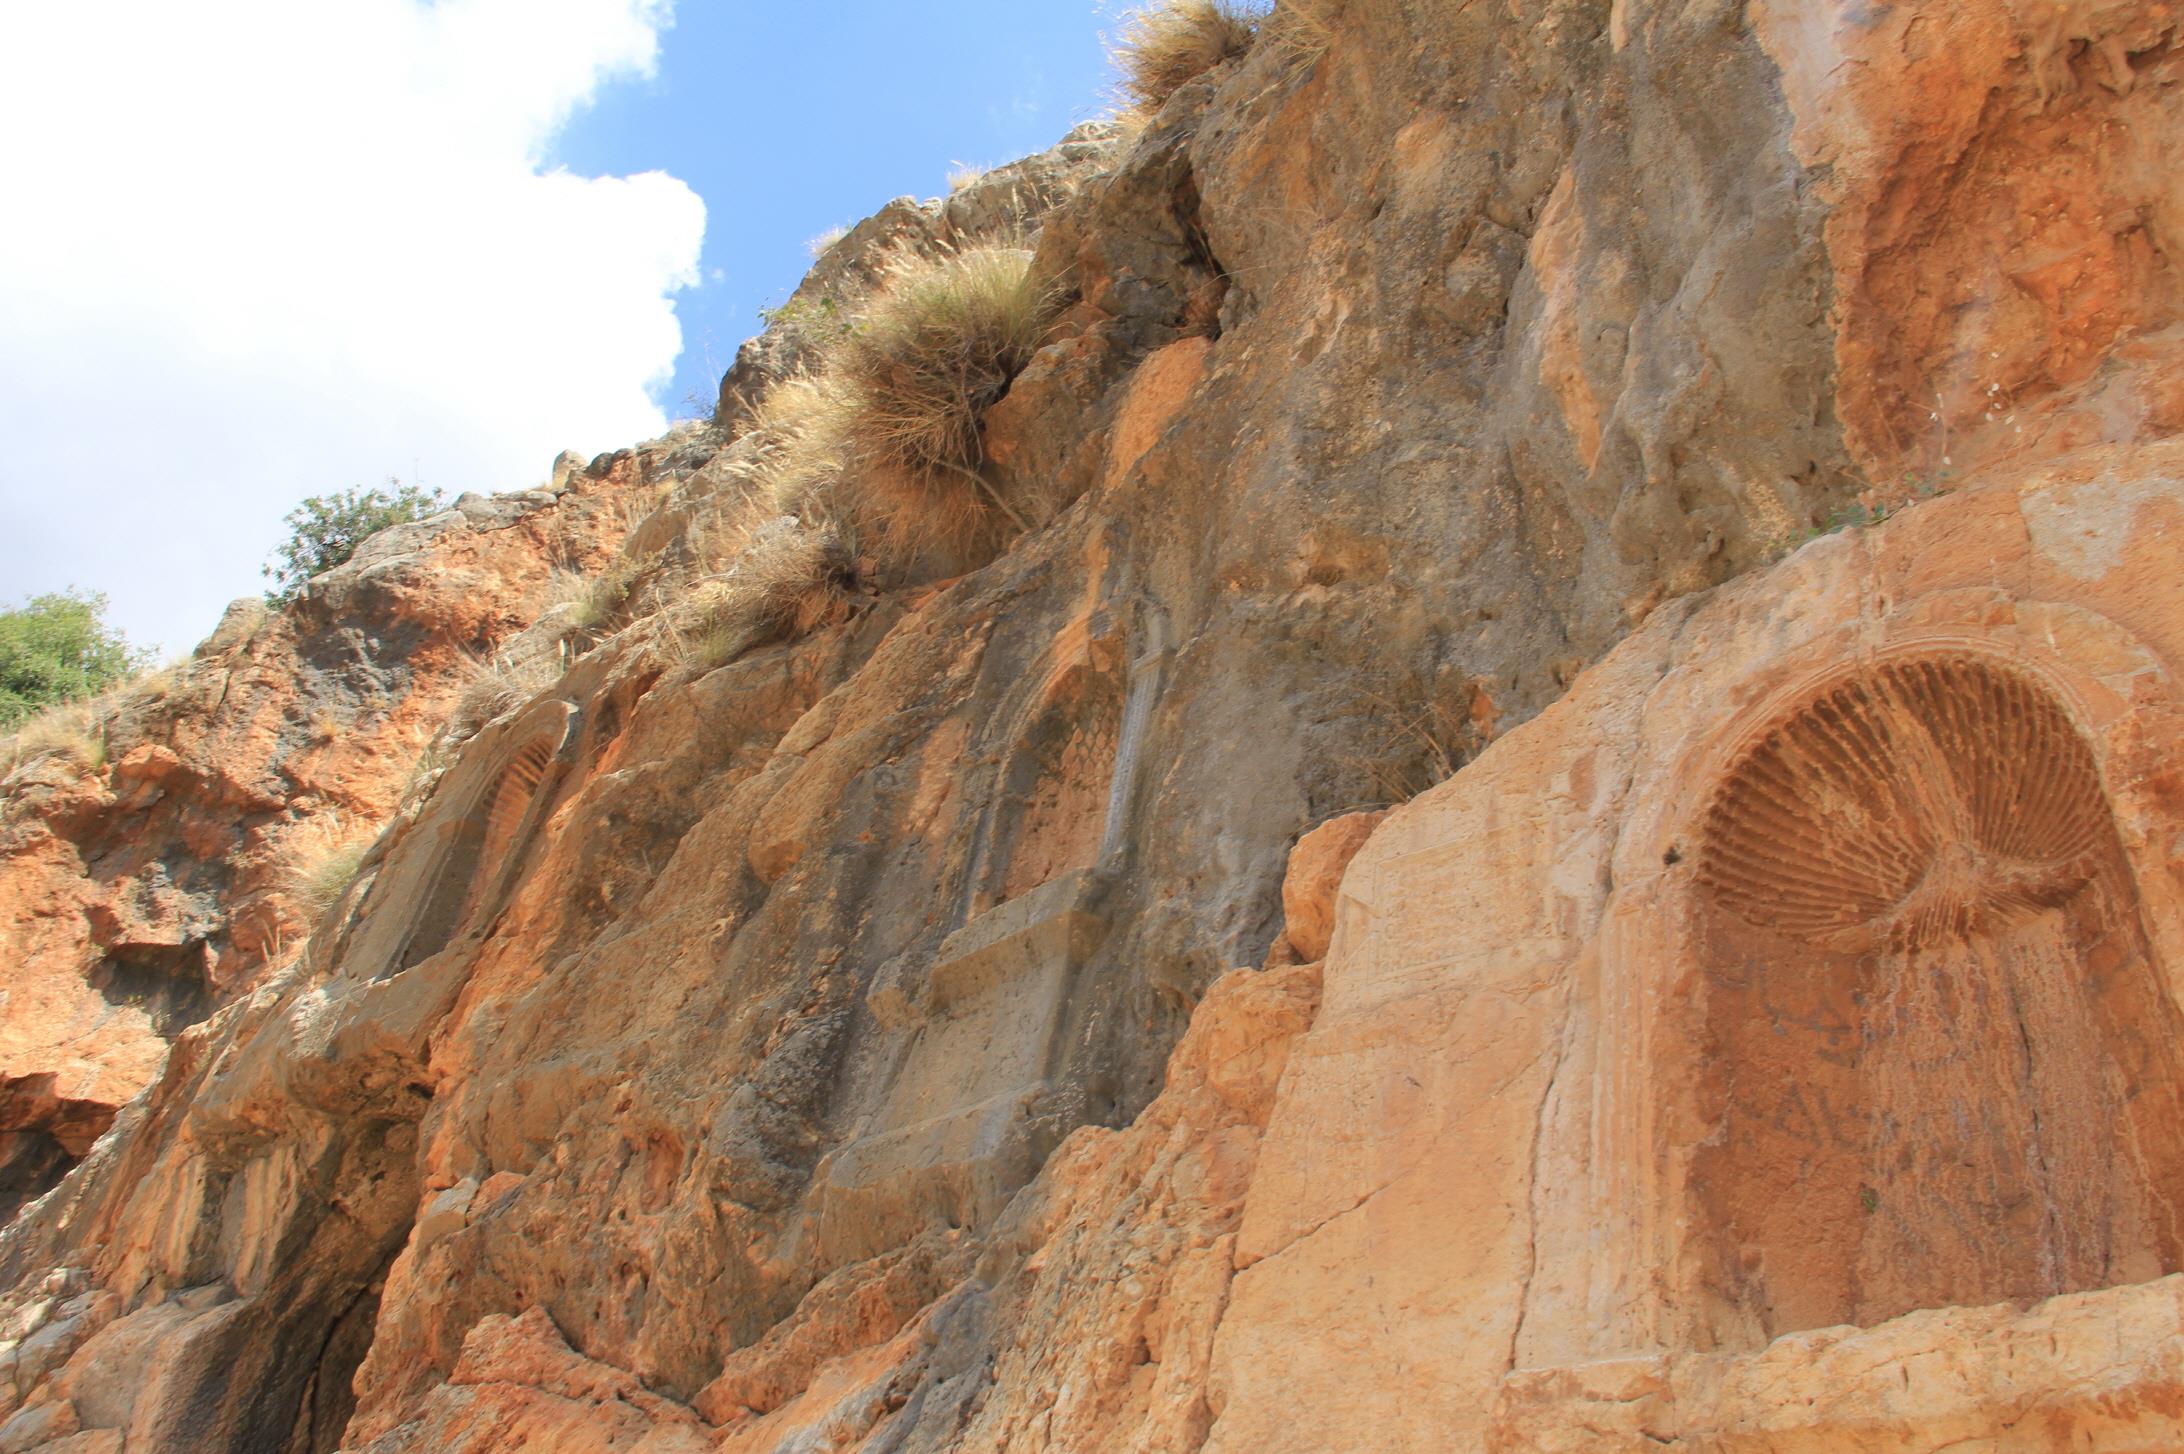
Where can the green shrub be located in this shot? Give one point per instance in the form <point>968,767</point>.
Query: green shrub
<point>58,648</point>
<point>325,530</point>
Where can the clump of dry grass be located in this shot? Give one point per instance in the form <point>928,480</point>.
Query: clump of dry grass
<point>74,732</point>
<point>884,440</point>
<point>1301,30</point>
<point>1166,45</point>
<point>323,871</point>
<point>606,594</point>
<point>789,578</point>
<point>587,604</point>
<point>908,385</point>
<point>797,453</point>
<point>1422,739</point>
<point>499,684</point>
<point>878,452</point>
<point>823,244</point>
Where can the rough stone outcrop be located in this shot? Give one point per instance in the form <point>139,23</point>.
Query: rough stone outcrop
<point>1006,203</point>
<point>1765,1040</point>
<point>137,898</point>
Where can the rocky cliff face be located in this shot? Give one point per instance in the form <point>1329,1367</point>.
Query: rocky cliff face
<point>139,897</point>
<point>929,1032</point>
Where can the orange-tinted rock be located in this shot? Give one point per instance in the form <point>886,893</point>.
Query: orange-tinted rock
<point>1624,1055</point>
<point>136,900</point>
<point>1315,874</point>
<point>1769,1042</point>
<point>2003,220</point>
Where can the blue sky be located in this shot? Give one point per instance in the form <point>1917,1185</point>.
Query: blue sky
<point>478,233</point>
<point>788,121</point>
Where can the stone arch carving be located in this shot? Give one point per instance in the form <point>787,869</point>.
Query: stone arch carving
<point>482,842</point>
<point>1941,1060</point>
<point>1058,778</point>
<point>1068,777</point>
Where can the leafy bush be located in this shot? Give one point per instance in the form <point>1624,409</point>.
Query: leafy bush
<point>58,648</point>
<point>325,530</point>
<point>1165,46</point>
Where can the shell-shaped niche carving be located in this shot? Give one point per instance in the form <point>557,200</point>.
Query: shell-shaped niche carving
<point>1921,800</point>
<point>1942,1066</point>
<point>486,839</point>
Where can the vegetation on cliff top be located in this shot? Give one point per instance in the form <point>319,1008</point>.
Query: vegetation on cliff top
<point>57,648</point>
<point>1164,47</point>
<point>325,531</point>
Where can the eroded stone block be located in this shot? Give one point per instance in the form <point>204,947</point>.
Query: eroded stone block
<point>955,1137</point>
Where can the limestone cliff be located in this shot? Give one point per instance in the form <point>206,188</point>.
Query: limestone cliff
<point>1709,468</point>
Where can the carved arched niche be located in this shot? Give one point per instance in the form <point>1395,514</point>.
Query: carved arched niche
<point>481,842</point>
<point>1058,778</point>
<point>1065,774</point>
<point>1939,1062</point>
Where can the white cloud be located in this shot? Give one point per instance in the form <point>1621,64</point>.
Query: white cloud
<point>258,249</point>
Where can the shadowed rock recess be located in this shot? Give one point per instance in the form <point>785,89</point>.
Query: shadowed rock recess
<point>1672,511</point>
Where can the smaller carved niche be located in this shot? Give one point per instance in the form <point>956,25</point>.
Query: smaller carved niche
<point>1941,1067</point>
<point>1058,781</point>
<point>483,843</point>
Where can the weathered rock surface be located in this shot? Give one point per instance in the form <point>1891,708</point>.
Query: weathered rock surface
<point>1767,1043</point>
<point>138,898</point>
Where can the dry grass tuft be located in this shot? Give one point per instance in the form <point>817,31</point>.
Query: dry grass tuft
<point>1167,45</point>
<point>1302,31</point>
<point>588,604</point>
<point>823,244</point>
<point>797,455</point>
<point>879,451</point>
<point>498,685</point>
<point>75,732</point>
<point>322,873</point>
<point>72,732</point>
<point>937,344</point>
<point>789,578</point>
<point>1415,744</point>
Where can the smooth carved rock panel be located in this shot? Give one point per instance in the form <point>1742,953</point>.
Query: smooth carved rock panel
<point>438,883</point>
<point>951,1137</point>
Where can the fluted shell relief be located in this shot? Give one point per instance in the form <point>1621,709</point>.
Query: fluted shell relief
<point>1923,799</point>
